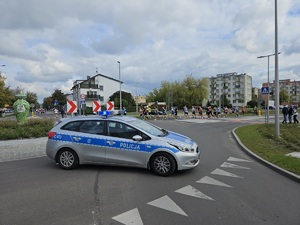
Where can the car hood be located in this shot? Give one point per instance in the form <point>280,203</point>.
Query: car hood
<point>178,138</point>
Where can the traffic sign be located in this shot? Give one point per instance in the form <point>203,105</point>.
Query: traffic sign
<point>96,106</point>
<point>82,96</point>
<point>71,106</point>
<point>264,90</point>
<point>110,105</point>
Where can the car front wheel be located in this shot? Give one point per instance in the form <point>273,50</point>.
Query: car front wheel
<point>68,159</point>
<point>163,164</point>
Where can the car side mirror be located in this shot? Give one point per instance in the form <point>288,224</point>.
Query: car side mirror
<point>137,138</point>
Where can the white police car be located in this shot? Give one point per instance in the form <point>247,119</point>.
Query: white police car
<point>122,141</point>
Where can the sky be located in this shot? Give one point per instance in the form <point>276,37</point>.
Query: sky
<point>47,45</point>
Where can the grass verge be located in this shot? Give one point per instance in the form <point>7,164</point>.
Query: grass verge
<point>33,128</point>
<point>261,139</point>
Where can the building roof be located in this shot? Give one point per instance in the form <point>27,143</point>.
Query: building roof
<point>101,75</point>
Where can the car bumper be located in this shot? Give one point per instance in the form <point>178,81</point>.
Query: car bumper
<point>188,160</point>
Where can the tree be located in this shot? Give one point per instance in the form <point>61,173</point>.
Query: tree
<point>127,99</point>
<point>60,97</point>
<point>283,96</point>
<point>48,103</point>
<point>6,95</point>
<point>31,98</point>
<point>252,103</point>
<point>189,92</point>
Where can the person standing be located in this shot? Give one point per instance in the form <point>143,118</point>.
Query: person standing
<point>285,113</point>
<point>62,112</point>
<point>55,112</point>
<point>200,110</point>
<point>193,112</point>
<point>290,114</point>
<point>295,114</point>
<point>225,111</point>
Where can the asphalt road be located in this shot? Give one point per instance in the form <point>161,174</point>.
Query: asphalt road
<point>228,187</point>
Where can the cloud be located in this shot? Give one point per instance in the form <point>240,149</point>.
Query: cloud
<point>46,45</point>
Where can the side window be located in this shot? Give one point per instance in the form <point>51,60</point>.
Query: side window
<point>72,126</point>
<point>92,127</point>
<point>121,130</point>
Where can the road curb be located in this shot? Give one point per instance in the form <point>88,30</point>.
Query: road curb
<point>276,168</point>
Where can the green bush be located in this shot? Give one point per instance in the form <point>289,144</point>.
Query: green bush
<point>33,128</point>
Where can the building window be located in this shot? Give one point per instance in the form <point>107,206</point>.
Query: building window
<point>101,98</point>
<point>101,87</point>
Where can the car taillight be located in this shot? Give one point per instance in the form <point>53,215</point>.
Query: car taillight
<point>51,134</point>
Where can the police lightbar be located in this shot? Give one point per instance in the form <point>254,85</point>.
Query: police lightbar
<point>106,113</point>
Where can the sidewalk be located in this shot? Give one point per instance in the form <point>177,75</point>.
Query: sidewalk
<point>22,149</point>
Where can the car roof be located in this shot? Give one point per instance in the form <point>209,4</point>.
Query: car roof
<point>96,117</point>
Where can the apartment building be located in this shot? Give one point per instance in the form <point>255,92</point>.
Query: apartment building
<point>292,88</point>
<point>236,88</point>
<point>95,88</point>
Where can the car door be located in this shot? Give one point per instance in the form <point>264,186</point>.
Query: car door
<point>121,149</point>
<point>91,140</point>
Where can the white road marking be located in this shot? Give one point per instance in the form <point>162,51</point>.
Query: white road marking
<point>189,190</point>
<point>224,173</point>
<point>131,217</point>
<point>209,180</point>
<point>230,165</point>
<point>233,159</point>
<point>168,204</point>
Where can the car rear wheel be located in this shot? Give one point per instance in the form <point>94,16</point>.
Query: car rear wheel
<point>68,159</point>
<point>163,164</point>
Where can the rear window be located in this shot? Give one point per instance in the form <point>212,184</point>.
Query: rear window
<point>72,126</point>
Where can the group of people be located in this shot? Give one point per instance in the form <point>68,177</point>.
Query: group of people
<point>61,111</point>
<point>290,112</point>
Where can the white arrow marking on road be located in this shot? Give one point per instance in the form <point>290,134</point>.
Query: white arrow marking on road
<point>224,173</point>
<point>233,159</point>
<point>230,165</point>
<point>189,190</point>
<point>131,217</point>
<point>167,204</point>
<point>209,180</point>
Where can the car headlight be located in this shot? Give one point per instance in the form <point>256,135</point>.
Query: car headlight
<point>182,148</point>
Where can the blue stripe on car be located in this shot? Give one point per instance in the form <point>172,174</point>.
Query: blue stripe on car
<point>124,145</point>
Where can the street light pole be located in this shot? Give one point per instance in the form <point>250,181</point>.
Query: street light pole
<point>120,85</point>
<point>264,56</point>
<point>277,129</point>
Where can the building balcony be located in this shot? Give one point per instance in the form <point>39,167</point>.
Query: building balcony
<point>92,97</point>
<point>87,86</point>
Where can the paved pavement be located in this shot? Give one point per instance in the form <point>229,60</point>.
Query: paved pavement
<point>22,149</point>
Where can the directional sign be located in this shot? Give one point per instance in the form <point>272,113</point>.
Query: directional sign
<point>96,106</point>
<point>71,106</point>
<point>264,90</point>
<point>110,105</point>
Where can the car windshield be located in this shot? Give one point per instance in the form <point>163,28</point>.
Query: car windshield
<point>149,128</point>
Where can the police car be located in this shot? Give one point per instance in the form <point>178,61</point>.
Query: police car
<point>121,141</point>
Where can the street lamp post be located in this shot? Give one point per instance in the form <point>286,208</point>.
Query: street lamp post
<point>260,57</point>
<point>277,128</point>
<point>120,85</point>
